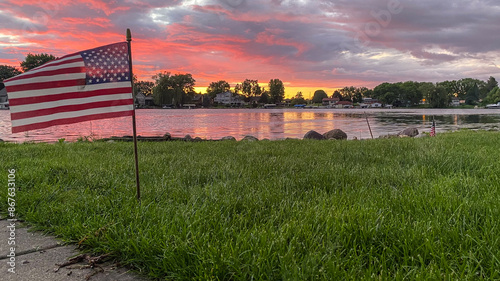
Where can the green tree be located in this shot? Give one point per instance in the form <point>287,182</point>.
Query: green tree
<point>347,93</point>
<point>31,61</point>
<point>145,87</point>
<point>276,90</point>
<point>388,93</point>
<point>489,85</point>
<point>298,99</point>
<point>173,89</point>
<point>318,96</point>
<point>249,88</point>
<point>493,96</point>
<point>7,71</point>
<point>437,96</point>
<point>217,87</point>
<point>411,93</point>
<point>337,95</point>
<point>264,97</point>
<point>472,95</point>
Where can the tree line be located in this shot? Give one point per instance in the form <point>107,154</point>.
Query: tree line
<point>178,89</point>
<point>411,93</point>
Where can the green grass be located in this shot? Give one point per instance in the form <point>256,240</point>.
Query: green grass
<point>391,209</point>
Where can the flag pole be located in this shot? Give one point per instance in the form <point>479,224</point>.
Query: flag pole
<point>129,39</point>
<point>370,128</point>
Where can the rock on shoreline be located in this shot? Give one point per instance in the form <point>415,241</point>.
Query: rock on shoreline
<point>335,134</point>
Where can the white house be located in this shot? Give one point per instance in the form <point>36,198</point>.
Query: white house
<point>227,98</point>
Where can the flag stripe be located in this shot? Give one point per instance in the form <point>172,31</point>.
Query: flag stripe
<point>78,63</point>
<point>75,101</point>
<point>72,120</point>
<point>70,70</point>
<point>57,91</point>
<point>46,85</point>
<point>64,75</point>
<point>69,115</point>
<point>71,95</point>
<point>69,108</point>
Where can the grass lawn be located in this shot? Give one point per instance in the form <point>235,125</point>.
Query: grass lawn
<point>393,209</point>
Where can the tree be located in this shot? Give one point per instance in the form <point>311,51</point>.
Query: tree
<point>31,61</point>
<point>318,96</point>
<point>145,87</point>
<point>436,96</point>
<point>298,99</point>
<point>217,87</point>
<point>337,95</point>
<point>276,90</point>
<point>388,93</point>
<point>411,93</point>
<point>472,95</point>
<point>7,71</point>
<point>493,96</point>
<point>490,84</point>
<point>249,88</point>
<point>264,97</point>
<point>173,89</point>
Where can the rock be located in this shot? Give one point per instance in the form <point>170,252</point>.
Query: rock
<point>313,135</point>
<point>167,136</point>
<point>250,138</point>
<point>198,139</point>
<point>336,134</point>
<point>411,132</point>
<point>228,138</point>
<point>1,140</point>
<point>188,138</point>
<point>389,136</point>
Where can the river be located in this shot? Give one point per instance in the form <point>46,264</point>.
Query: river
<point>262,123</point>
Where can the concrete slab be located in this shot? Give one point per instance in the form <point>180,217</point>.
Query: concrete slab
<point>37,258</point>
<point>25,241</point>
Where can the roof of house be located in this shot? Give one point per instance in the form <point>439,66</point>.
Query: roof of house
<point>331,99</point>
<point>344,102</point>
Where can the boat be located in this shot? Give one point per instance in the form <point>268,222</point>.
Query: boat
<point>495,105</point>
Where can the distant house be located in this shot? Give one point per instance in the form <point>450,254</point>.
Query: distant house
<point>370,102</point>
<point>455,101</point>
<point>343,104</point>
<point>4,100</point>
<point>227,98</point>
<point>143,100</point>
<point>330,102</point>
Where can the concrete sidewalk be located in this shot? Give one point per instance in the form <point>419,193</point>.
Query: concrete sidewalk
<point>37,256</point>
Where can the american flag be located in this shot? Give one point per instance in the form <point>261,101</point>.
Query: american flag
<point>433,129</point>
<point>88,85</point>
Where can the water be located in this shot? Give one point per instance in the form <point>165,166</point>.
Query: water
<point>262,123</point>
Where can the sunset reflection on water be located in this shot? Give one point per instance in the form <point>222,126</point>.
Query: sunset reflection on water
<point>261,123</point>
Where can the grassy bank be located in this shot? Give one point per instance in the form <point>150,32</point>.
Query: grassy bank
<point>285,210</point>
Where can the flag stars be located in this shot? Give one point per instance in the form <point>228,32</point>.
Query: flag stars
<point>109,64</point>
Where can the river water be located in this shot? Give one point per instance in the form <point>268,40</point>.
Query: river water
<point>262,123</point>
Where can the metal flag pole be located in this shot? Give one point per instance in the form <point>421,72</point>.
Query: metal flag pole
<point>129,39</point>
<point>370,128</point>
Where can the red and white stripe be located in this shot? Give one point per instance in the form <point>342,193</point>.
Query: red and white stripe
<point>56,94</point>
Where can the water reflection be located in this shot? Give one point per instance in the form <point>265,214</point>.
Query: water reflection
<point>261,123</point>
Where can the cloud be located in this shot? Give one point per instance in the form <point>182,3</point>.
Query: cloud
<point>302,42</point>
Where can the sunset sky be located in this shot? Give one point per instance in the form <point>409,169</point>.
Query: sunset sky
<point>307,44</point>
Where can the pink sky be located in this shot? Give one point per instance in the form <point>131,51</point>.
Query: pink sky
<point>309,45</point>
